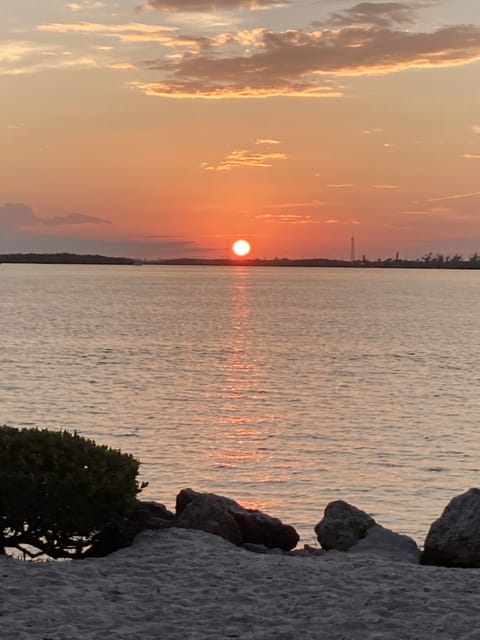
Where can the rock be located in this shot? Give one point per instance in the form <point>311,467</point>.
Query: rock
<point>145,515</point>
<point>209,513</point>
<point>388,544</point>
<point>346,528</point>
<point>454,539</point>
<point>342,526</point>
<point>227,518</point>
<point>259,528</point>
<point>152,515</point>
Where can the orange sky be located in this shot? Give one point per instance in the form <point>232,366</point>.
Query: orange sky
<point>171,127</point>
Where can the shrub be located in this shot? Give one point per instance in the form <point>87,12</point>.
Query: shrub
<point>59,491</point>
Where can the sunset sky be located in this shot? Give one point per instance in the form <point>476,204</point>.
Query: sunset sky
<point>170,128</point>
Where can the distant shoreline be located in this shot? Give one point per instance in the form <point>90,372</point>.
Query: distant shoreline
<point>427,262</point>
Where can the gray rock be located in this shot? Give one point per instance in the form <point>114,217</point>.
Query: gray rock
<point>454,539</point>
<point>225,517</point>
<point>145,515</point>
<point>342,526</point>
<point>388,544</point>
<point>152,515</point>
<point>208,512</point>
<point>259,528</point>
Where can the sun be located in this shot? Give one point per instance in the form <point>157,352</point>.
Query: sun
<point>241,248</point>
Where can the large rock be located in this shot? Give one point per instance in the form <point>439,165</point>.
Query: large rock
<point>152,515</point>
<point>379,541</point>
<point>209,513</point>
<point>342,526</point>
<point>346,528</point>
<point>226,518</point>
<point>454,539</point>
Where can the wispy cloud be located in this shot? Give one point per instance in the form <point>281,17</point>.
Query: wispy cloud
<point>346,185</point>
<point>16,215</point>
<point>456,196</point>
<point>85,5</point>
<point>71,218</point>
<point>207,5</point>
<point>469,156</point>
<point>246,158</point>
<point>378,14</point>
<point>266,141</point>
<point>128,32</point>
<point>435,213</point>
<point>22,57</point>
<point>286,218</point>
<point>476,128</point>
<point>295,205</point>
<point>344,222</point>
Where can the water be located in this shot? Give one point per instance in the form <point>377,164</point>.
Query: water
<point>281,388</point>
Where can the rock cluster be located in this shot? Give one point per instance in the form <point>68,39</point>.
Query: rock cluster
<point>453,539</point>
<point>226,518</point>
<point>346,528</point>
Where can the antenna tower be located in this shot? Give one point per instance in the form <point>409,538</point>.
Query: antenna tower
<point>352,249</point>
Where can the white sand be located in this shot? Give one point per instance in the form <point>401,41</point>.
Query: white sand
<point>177,584</point>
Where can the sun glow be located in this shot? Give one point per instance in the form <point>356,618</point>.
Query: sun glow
<point>241,248</point>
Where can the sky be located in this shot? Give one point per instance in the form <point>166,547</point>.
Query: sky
<point>171,128</point>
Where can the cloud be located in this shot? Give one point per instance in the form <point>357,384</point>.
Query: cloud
<point>263,63</point>
<point>72,218</point>
<point>476,128</point>
<point>378,14</point>
<point>137,32</point>
<point>292,205</point>
<point>85,5</point>
<point>245,158</point>
<point>14,215</point>
<point>341,186</point>
<point>471,155</point>
<point>20,57</point>
<point>129,32</point>
<point>456,196</point>
<point>385,186</point>
<point>435,213</point>
<point>344,222</point>
<point>18,216</point>
<point>208,5</point>
<point>22,231</point>
<point>286,218</point>
<point>266,141</point>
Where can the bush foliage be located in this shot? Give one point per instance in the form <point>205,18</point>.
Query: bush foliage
<point>59,491</point>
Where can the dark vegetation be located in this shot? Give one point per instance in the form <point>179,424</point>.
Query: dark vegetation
<point>62,258</point>
<point>427,261</point>
<point>61,493</point>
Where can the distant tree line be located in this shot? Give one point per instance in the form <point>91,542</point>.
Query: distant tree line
<point>62,258</point>
<point>427,261</point>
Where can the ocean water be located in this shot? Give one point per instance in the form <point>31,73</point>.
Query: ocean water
<point>284,388</point>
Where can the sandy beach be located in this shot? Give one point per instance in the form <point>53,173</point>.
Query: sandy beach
<point>180,584</point>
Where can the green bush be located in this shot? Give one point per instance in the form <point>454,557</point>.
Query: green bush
<point>59,491</point>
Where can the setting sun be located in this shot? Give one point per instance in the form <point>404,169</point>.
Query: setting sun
<point>241,248</point>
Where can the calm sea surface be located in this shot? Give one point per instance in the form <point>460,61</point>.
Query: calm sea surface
<point>283,388</point>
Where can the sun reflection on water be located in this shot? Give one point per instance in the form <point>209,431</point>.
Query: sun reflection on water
<point>242,425</point>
